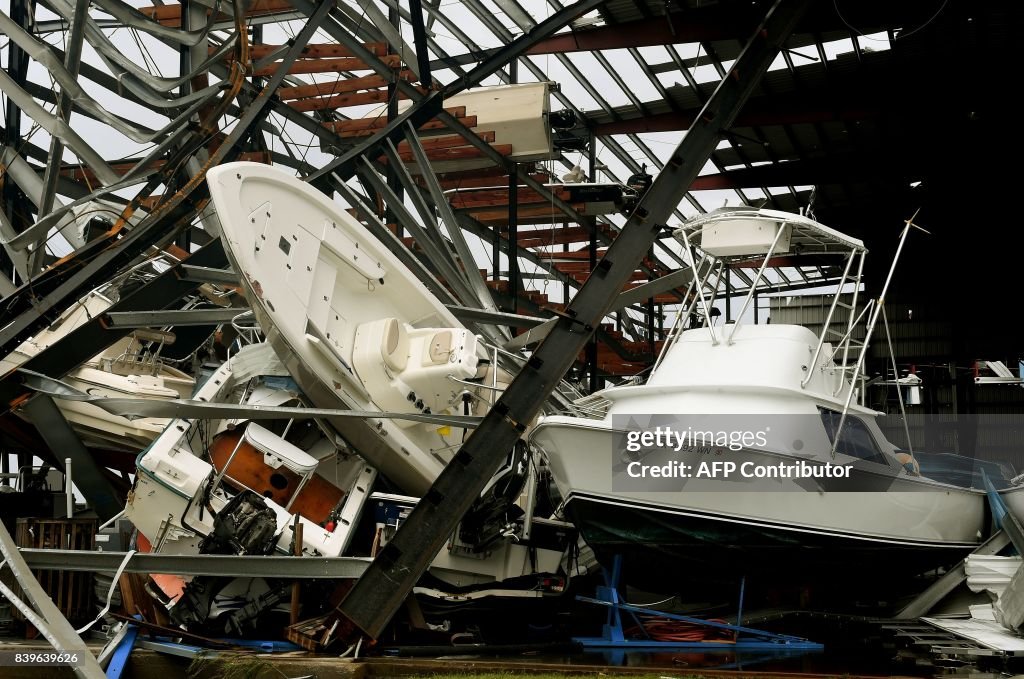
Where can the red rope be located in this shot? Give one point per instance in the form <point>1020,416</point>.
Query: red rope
<point>664,629</point>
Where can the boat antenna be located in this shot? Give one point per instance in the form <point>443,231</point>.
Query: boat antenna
<point>872,321</point>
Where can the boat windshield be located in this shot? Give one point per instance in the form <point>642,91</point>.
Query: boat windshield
<point>855,439</point>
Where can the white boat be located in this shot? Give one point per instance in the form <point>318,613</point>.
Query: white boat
<point>229,485</point>
<point>355,328</point>
<point>126,369</point>
<point>356,331</point>
<point>766,489</point>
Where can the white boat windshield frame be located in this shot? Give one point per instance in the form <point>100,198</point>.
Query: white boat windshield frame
<point>791,234</point>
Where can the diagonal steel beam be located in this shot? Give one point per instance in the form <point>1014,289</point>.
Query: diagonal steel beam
<point>381,591</point>
<point>62,439</point>
<point>472,274</point>
<point>48,618</point>
<point>392,242</point>
<point>440,259</point>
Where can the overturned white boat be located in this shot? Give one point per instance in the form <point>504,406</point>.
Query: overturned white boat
<point>355,328</point>
<point>727,461</point>
<point>130,368</point>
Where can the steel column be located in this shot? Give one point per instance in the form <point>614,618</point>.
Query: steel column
<point>392,575</point>
<point>513,237</point>
<point>17,67</point>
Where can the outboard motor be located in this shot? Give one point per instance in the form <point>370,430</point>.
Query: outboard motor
<point>488,520</point>
<point>246,525</point>
<point>637,184</point>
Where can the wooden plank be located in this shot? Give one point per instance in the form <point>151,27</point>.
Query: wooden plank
<point>365,127</point>
<point>328,65</point>
<point>499,197</point>
<point>556,236</point>
<point>170,15</point>
<point>339,86</point>
<point>343,100</point>
<point>457,153</point>
<point>580,255</point>
<point>473,180</point>
<point>445,142</point>
<point>546,211</point>
<point>493,172</point>
<point>317,51</point>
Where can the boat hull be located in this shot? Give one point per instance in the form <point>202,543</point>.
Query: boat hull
<point>666,547</point>
<point>790,530</point>
<point>320,285</point>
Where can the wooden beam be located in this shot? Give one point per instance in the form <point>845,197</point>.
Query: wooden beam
<point>471,182</point>
<point>446,142</point>
<point>556,236</point>
<point>340,86</point>
<point>329,65</point>
<point>342,100</point>
<point>364,127</point>
<point>456,153</point>
<point>321,51</point>
<point>534,211</point>
<point>170,15</point>
<point>499,196</point>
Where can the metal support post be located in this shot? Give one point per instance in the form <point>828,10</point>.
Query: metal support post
<point>513,237</point>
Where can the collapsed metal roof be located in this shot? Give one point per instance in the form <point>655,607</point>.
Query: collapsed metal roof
<point>872,112</point>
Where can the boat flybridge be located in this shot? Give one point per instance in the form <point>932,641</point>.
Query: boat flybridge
<point>747,451</point>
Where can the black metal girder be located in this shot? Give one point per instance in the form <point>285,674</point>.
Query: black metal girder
<point>392,575</point>
<point>99,492</point>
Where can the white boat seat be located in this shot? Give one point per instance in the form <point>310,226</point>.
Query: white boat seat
<point>277,452</point>
<point>395,345</point>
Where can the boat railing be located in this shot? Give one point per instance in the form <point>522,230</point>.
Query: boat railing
<point>876,311</point>
<point>687,310</point>
<point>595,406</point>
<point>851,307</point>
